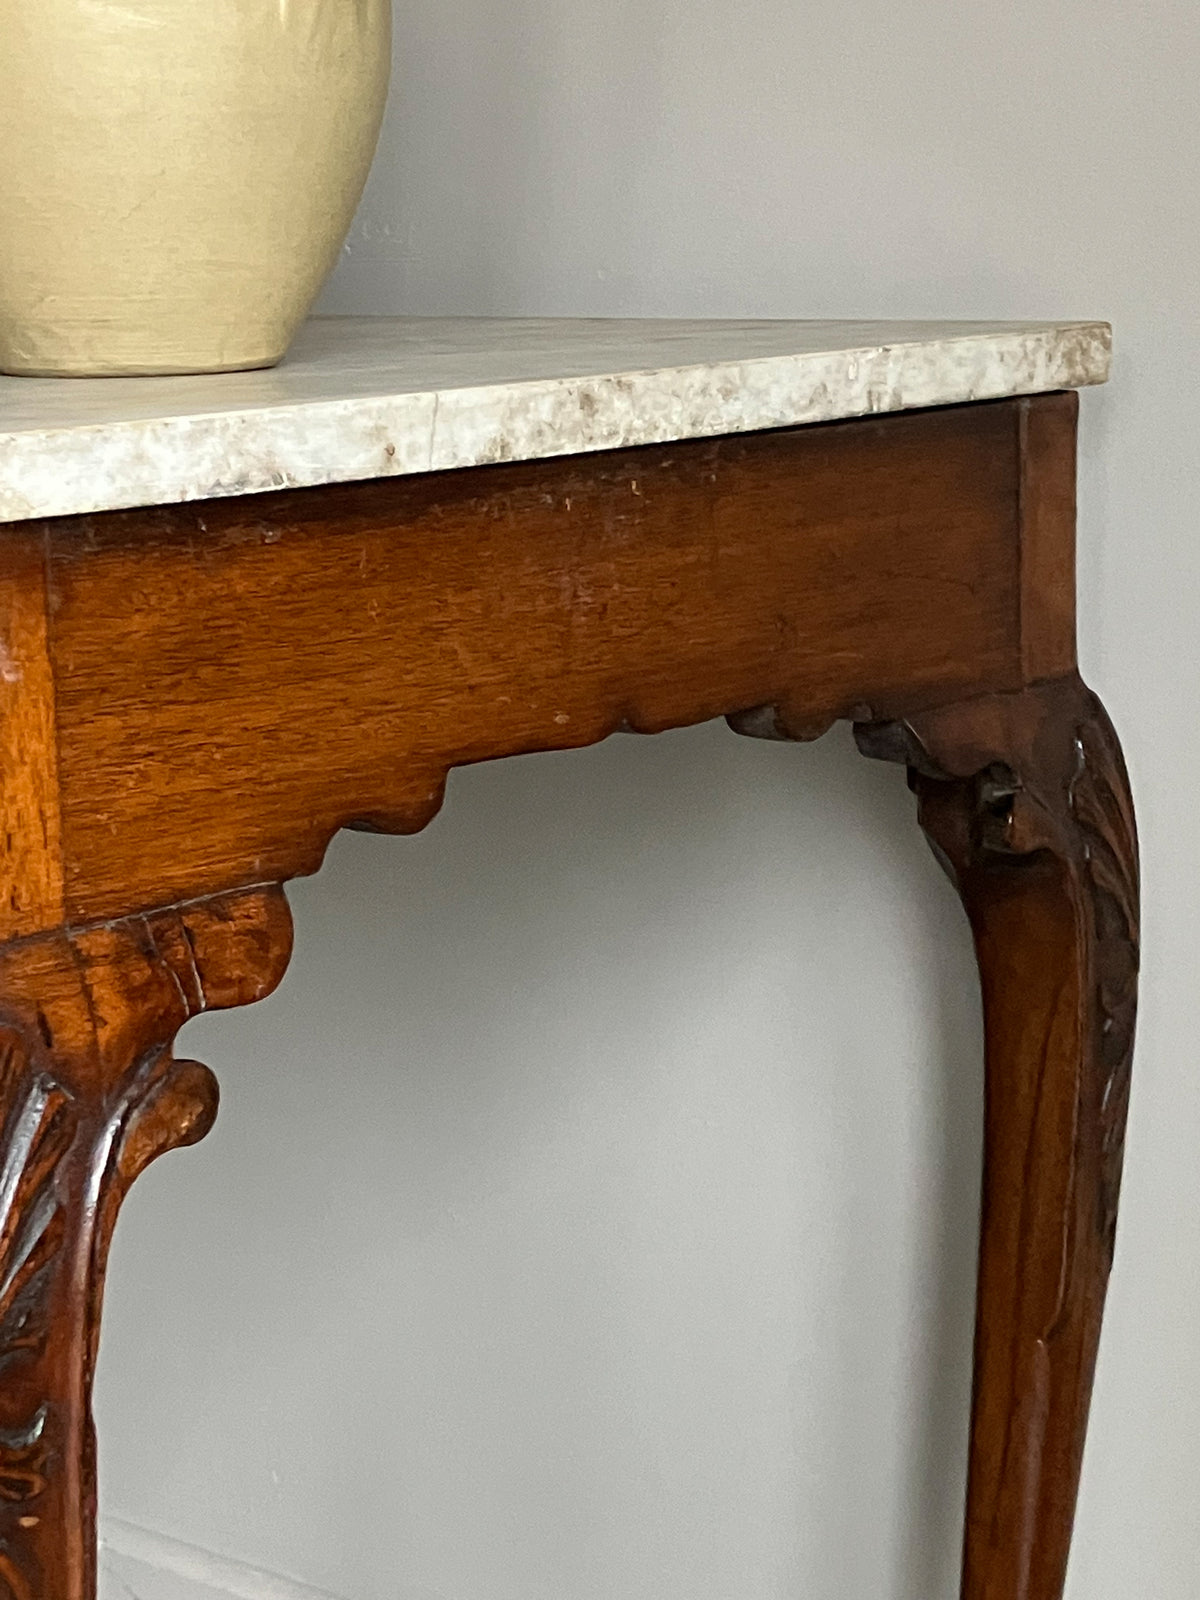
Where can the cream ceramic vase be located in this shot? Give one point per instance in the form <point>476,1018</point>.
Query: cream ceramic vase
<point>177,176</point>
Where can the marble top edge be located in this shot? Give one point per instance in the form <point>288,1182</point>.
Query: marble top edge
<point>364,398</point>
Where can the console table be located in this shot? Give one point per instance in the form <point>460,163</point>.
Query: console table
<point>240,613</point>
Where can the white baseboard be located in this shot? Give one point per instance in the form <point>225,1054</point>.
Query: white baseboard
<point>136,1564</point>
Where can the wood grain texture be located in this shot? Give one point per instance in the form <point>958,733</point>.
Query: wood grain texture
<point>90,1095</point>
<point>1047,446</point>
<point>1027,803</point>
<point>194,699</point>
<point>31,886</point>
<point>237,680</point>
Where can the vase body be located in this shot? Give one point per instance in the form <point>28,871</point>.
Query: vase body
<point>177,176</point>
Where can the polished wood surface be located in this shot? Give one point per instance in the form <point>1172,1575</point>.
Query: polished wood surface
<point>195,698</point>
<point>1026,801</point>
<point>266,670</point>
<point>92,1096</point>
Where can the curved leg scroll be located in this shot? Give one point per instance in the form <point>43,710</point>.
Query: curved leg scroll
<point>90,1095</point>
<point>1026,801</point>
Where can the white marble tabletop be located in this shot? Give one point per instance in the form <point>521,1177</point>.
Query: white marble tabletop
<point>362,397</point>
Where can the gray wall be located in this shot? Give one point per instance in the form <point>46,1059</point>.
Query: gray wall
<point>591,1215</point>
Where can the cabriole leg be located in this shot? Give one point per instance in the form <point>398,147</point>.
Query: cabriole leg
<point>90,1095</point>
<point>1026,801</point>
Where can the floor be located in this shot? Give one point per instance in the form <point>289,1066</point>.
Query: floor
<point>123,1578</point>
<point>136,1564</point>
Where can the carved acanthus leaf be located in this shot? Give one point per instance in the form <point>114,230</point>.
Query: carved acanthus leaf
<point>1007,776</point>
<point>90,1095</point>
<point>39,1132</point>
<point>1099,801</point>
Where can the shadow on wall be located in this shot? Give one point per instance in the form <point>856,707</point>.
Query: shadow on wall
<point>586,1215</point>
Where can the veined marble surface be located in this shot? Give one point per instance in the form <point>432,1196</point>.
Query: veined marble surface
<point>365,397</point>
